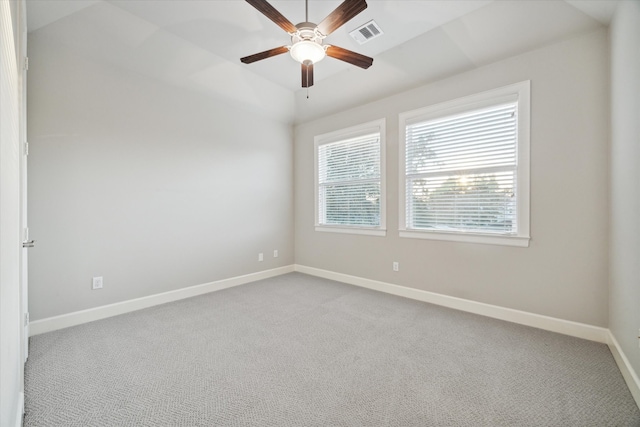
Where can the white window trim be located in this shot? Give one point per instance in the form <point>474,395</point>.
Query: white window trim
<point>522,91</point>
<point>352,132</point>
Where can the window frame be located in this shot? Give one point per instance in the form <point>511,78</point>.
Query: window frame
<point>376,126</point>
<point>522,92</point>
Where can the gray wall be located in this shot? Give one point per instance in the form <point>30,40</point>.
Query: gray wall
<point>564,272</point>
<point>624,309</point>
<point>152,187</point>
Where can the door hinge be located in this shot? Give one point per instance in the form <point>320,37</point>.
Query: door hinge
<point>26,148</point>
<point>26,63</point>
<point>26,319</point>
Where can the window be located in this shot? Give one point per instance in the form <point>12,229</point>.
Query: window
<point>465,169</point>
<point>350,196</point>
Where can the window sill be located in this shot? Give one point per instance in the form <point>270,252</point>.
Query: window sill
<point>352,230</point>
<point>488,239</point>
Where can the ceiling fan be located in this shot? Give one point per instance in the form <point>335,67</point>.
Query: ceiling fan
<point>306,37</point>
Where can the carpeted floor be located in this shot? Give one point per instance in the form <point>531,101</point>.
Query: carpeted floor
<point>296,350</point>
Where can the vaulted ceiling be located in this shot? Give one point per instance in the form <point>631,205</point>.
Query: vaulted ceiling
<point>197,44</point>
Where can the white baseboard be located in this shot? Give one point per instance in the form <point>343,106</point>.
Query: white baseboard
<point>566,327</point>
<point>629,374</point>
<point>78,317</point>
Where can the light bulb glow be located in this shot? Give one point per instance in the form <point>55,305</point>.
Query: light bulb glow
<point>306,50</point>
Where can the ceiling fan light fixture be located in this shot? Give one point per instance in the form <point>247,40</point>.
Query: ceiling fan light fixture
<point>306,50</point>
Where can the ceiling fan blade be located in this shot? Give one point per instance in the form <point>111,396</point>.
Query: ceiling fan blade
<point>307,74</point>
<point>349,56</point>
<point>264,55</point>
<point>343,13</point>
<point>270,12</point>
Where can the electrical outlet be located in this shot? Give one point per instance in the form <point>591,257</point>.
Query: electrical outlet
<point>260,256</point>
<point>96,283</point>
<point>275,253</point>
<point>396,266</point>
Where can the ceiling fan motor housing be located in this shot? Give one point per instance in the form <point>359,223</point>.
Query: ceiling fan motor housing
<point>307,31</point>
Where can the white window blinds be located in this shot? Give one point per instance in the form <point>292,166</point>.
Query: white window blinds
<point>460,171</point>
<point>349,182</point>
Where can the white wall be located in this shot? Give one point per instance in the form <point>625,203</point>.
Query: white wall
<point>11,366</point>
<point>150,186</point>
<point>564,272</point>
<point>624,308</point>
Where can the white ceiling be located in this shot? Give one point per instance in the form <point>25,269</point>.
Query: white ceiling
<point>198,44</point>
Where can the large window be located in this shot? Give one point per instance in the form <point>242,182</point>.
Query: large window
<point>465,169</point>
<point>350,180</point>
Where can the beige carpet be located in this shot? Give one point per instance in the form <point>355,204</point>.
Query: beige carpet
<point>302,351</point>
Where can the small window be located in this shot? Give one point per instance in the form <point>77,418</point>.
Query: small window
<point>465,169</point>
<point>350,180</point>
